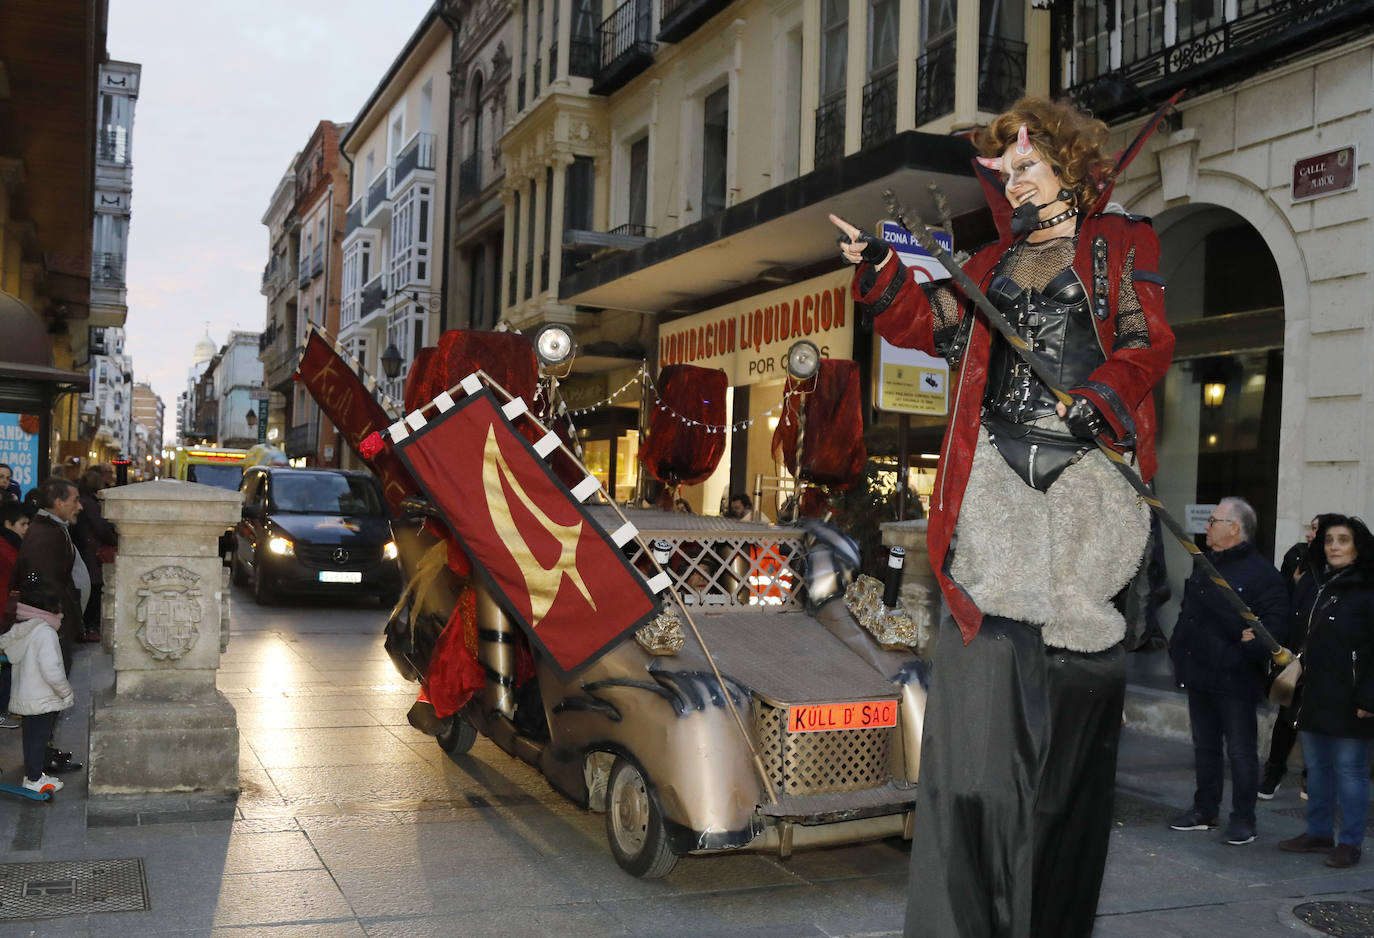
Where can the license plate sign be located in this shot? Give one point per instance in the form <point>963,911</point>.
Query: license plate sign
<point>815,718</point>
<point>341,576</point>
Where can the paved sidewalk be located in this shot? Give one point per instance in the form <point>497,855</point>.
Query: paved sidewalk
<point>351,823</point>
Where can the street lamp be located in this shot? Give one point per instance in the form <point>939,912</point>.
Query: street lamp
<point>391,361</point>
<point>251,418</point>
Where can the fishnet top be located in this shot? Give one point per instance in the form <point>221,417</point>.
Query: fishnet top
<point>1034,266</point>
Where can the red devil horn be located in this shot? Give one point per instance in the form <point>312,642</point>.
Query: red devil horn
<point>993,163</point>
<point>1023,144</point>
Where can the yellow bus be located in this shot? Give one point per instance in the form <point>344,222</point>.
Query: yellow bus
<point>208,465</point>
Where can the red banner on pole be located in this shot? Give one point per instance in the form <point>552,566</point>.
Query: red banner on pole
<point>346,401</point>
<point>553,568</point>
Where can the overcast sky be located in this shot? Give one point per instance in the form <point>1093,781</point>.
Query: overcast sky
<point>230,92</point>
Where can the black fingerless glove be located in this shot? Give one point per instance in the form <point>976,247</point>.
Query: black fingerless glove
<point>1085,421</point>
<point>875,248</point>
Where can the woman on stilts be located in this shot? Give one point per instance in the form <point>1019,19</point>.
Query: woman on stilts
<point>1032,530</point>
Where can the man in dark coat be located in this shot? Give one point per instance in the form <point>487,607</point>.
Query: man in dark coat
<point>1218,659</point>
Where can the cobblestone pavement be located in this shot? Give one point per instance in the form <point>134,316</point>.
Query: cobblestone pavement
<point>352,823</point>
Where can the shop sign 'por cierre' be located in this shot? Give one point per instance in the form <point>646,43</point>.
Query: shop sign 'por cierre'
<point>1324,174</point>
<point>748,340</point>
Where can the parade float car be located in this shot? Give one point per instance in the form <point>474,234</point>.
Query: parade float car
<point>708,684</point>
<point>821,745</point>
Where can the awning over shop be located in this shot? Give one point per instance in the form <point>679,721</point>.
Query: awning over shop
<point>26,360</point>
<point>784,227</point>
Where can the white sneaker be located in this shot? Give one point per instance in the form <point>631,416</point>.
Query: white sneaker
<point>8,722</point>
<point>45,783</point>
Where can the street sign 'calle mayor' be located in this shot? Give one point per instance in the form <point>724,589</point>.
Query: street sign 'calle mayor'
<point>1324,174</point>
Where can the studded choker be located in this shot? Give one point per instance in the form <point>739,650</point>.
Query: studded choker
<point>1061,217</point>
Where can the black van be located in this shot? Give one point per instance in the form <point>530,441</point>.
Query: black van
<point>314,531</point>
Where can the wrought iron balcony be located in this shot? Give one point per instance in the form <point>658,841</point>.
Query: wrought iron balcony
<point>418,154</point>
<point>830,132</point>
<point>302,439</point>
<point>470,177</point>
<point>107,270</point>
<point>303,280</point>
<point>935,82</point>
<point>1001,73</point>
<point>678,19</point>
<point>112,146</point>
<point>880,110</point>
<point>627,48</point>
<point>583,58</point>
<point>632,230</point>
<point>317,261</point>
<point>1206,49</point>
<point>354,218</point>
<point>373,297</point>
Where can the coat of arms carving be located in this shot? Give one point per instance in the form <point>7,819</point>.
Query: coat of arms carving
<point>168,612</point>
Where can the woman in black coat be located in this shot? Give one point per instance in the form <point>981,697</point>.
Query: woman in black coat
<point>1335,606</point>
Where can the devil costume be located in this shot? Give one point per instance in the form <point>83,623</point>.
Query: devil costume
<point>1032,532</point>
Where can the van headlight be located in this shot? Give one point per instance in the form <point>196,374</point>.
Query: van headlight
<point>389,552</point>
<point>282,546</point>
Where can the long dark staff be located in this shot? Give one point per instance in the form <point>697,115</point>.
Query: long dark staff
<point>1037,364</point>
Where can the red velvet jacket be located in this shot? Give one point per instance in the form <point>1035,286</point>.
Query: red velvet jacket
<point>1128,374</point>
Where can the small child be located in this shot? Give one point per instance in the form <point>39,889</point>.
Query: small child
<point>40,688</point>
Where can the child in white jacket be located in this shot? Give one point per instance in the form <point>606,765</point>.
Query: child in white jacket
<point>40,689</point>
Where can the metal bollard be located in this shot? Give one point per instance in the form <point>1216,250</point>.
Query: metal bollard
<point>896,560</point>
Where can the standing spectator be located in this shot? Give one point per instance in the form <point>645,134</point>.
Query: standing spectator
<point>41,689</point>
<point>14,522</point>
<point>1217,658</point>
<point>47,555</point>
<point>741,507</point>
<point>95,538</point>
<point>8,483</point>
<point>1336,703</point>
<point>1285,734</point>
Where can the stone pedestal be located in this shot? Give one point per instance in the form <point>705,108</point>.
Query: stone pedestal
<point>920,594</point>
<point>164,726</point>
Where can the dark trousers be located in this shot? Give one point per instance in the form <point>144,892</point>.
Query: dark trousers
<point>1018,765</point>
<point>1281,744</point>
<point>1217,719</point>
<point>37,730</point>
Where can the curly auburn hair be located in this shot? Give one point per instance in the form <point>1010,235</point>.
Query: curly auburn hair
<point>1072,141</point>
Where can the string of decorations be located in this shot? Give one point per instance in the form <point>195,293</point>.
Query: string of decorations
<point>643,375</point>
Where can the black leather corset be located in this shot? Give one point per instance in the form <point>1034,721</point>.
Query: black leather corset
<point>1058,324</point>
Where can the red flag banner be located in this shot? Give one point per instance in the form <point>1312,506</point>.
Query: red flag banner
<point>553,568</point>
<point>345,400</point>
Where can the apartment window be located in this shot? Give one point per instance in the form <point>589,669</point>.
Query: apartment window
<point>319,310</point>
<point>538,45</point>
<point>938,19</point>
<point>882,36</point>
<point>548,224</point>
<point>715,150</point>
<point>411,236</point>
<point>396,135</point>
<point>580,184</point>
<point>790,108</point>
<point>529,257</point>
<point>357,271</point>
<point>116,125</point>
<point>427,106</point>
<point>835,47</point>
<point>524,41</point>
<point>407,328</point>
<point>368,173</point>
<point>357,347</point>
<point>639,185</point>
<point>476,115</point>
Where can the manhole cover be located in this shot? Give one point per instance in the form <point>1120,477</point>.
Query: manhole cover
<point>76,887</point>
<point>1342,919</point>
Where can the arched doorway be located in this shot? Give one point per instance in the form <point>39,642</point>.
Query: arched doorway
<point>1220,404</point>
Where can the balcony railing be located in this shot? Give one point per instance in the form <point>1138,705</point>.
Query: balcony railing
<point>935,82</point>
<point>301,439</point>
<point>830,132</point>
<point>880,110</point>
<point>583,60</point>
<point>107,270</point>
<point>1001,73</point>
<point>112,146</point>
<point>354,218</point>
<point>377,192</point>
<point>678,19</point>
<point>303,280</point>
<point>374,295</point>
<point>632,230</point>
<point>317,261</point>
<point>416,155</point>
<point>627,48</point>
<point>470,177</point>
<point>1202,50</point>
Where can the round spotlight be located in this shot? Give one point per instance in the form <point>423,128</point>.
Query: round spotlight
<point>553,344</point>
<point>803,360</point>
